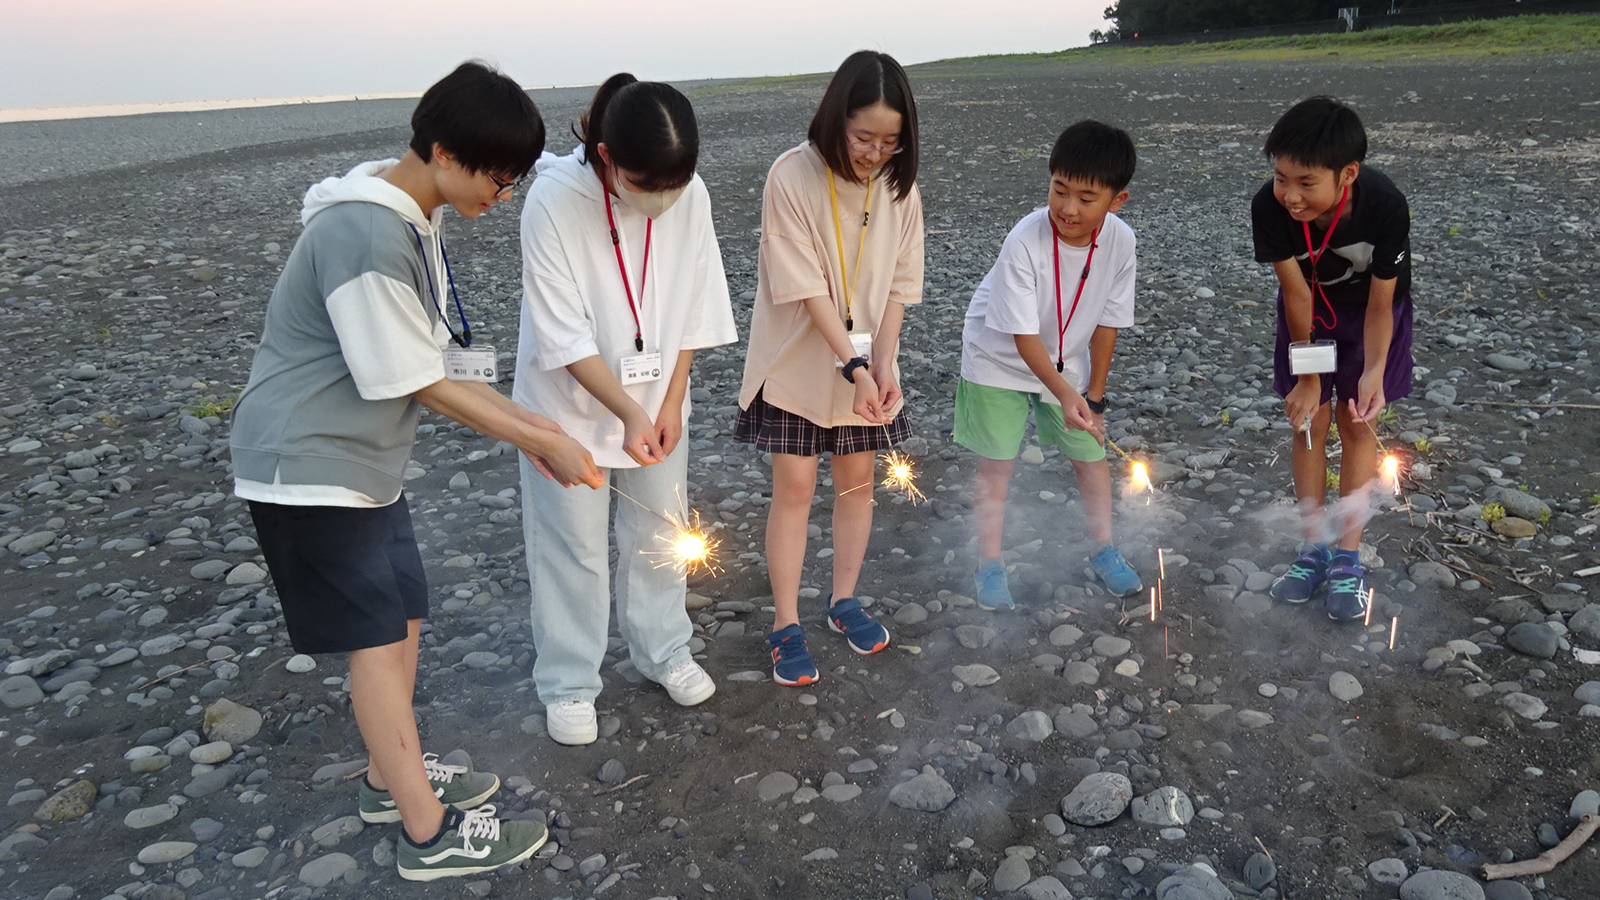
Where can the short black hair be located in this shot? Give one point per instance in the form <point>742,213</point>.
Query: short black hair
<point>648,128</point>
<point>863,79</point>
<point>1320,133</point>
<point>1095,151</point>
<point>483,118</point>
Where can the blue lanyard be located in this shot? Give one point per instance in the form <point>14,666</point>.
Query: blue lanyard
<point>465,338</point>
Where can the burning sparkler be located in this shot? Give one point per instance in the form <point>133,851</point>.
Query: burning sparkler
<point>1140,473</point>
<point>900,474</point>
<point>689,549</point>
<point>1391,472</point>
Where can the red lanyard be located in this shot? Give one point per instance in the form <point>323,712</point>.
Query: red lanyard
<point>644,271</point>
<point>1055,246</point>
<point>1316,255</point>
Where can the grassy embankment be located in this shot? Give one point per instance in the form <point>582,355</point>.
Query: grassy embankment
<point>1517,35</point>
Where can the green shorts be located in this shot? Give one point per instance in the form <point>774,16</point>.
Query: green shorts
<point>990,422</point>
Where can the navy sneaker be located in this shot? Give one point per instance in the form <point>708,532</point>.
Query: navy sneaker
<point>1306,576</point>
<point>791,657</point>
<point>993,591</point>
<point>1115,573</point>
<point>866,636</point>
<point>1347,588</point>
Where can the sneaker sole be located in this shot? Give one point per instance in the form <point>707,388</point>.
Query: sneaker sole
<point>802,681</point>
<point>390,816</point>
<point>696,698</point>
<point>457,871</point>
<point>573,739</point>
<point>858,651</point>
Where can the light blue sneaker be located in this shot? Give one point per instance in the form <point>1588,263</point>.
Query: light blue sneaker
<point>1115,573</point>
<point>993,592</point>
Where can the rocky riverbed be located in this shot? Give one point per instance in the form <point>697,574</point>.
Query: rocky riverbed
<point>161,741</point>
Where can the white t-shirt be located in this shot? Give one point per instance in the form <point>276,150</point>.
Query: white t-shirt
<point>574,305</point>
<point>1018,296</point>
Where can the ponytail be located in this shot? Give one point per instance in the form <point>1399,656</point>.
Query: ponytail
<point>648,128</point>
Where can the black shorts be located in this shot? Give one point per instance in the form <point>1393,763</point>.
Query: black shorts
<point>775,430</point>
<point>348,579</point>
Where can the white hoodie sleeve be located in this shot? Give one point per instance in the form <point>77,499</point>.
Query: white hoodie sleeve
<point>561,320</point>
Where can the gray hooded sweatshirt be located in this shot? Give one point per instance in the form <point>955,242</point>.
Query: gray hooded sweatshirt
<point>352,331</point>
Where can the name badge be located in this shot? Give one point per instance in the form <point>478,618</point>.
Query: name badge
<point>861,344</point>
<point>471,364</point>
<point>641,368</point>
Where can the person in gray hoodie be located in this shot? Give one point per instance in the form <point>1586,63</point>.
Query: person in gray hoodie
<point>354,345</point>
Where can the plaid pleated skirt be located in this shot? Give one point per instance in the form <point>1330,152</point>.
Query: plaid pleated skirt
<point>775,430</point>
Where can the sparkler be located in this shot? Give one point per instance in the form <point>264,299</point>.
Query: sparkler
<point>689,549</point>
<point>1391,472</point>
<point>899,475</point>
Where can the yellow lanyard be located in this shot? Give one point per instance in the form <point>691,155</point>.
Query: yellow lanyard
<point>846,278</point>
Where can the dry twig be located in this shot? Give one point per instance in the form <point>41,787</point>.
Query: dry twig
<point>618,787</point>
<point>197,665</point>
<point>1548,860</point>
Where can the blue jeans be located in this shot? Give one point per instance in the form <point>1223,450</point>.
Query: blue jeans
<point>569,573</point>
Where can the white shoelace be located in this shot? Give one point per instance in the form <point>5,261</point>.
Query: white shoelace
<point>438,771</point>
<point>478,823</point>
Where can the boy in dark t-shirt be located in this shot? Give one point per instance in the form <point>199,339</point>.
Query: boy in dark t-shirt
<point>1338,237</point>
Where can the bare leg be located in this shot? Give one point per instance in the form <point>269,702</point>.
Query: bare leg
<point>380,692</point>
<point>1358,467</point>
<point>852,517</point>
<point>408,682</point>
<point>794,482</point>
<point>1094,486</point>
<point>989,494</point>
<point>1310,466</point>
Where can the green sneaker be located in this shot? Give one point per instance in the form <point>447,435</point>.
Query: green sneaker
<point>456,786</point>
<point>472,841</point>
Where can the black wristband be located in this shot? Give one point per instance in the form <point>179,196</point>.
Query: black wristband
<point>1098,407</point>
<point>849,370</point>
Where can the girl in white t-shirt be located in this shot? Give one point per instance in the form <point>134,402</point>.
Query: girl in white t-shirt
<point>622,282</point>
<point>841,257</point>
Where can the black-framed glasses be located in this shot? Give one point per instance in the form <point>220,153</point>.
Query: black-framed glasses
<point>502,187</point>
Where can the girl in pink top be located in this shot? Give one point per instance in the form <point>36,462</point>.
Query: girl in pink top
<point>841,256</point>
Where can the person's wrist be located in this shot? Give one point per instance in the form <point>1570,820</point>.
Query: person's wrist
<point>850,367</point>
<point>1098,407</point>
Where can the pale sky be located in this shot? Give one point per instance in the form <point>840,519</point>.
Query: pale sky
<point>148,51</point>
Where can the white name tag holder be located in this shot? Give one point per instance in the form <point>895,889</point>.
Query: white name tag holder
<point>1312,357</point>
<point>640,369</point>
<point>471,364</point>
<point>861,345</point>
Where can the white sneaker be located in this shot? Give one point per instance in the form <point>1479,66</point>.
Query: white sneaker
<point>572,722</point>
<point>688,684</point>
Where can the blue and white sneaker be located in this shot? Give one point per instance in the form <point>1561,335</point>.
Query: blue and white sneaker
<point>1347,588</point>
<point>1115,573</point>
<point>791,657</point>
<point>1306,576</point>
<point>865,634</point>
<point>993,591</point>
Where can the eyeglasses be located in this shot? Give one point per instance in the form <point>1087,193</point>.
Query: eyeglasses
<point>505,186</point>
<point>885,147</point>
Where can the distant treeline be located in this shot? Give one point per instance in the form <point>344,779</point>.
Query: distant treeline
<point>1153,18</point>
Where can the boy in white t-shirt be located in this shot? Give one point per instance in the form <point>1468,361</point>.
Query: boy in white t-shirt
<point>1039,334</point>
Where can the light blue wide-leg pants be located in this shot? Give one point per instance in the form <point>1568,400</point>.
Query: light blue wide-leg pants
<point>569,574</point>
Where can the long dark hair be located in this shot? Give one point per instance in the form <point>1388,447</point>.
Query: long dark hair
<point>648,128</point>
<point>867,77</point>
